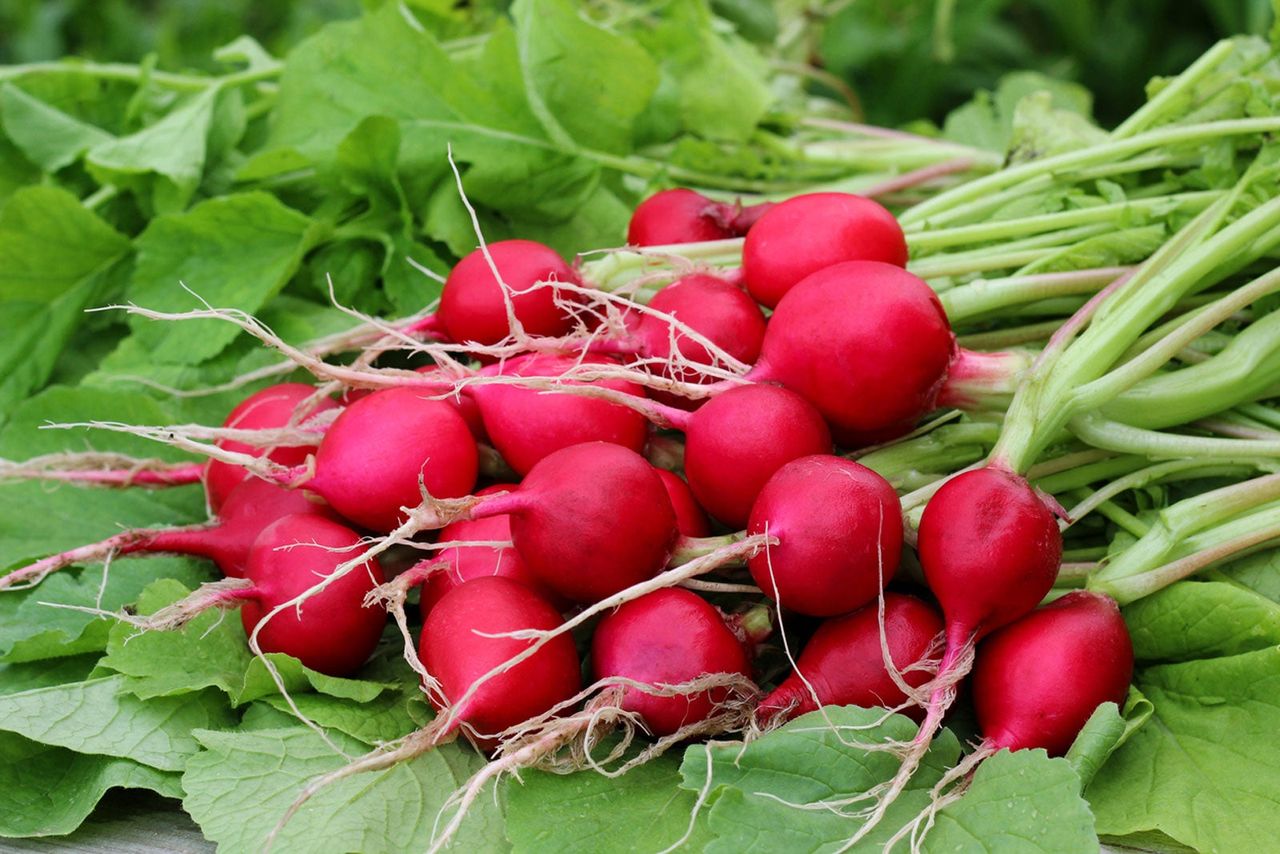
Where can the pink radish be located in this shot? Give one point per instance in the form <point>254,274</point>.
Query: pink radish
<point>691,520</point>
<point>686,216</point>
<point>839,526</point>
<point>467,563</point>
<point>737,440</point>
<point>843,663</point>
<point>472,307</point>
<point>667,637</point>
<point>458,649</point>
<point>369,464</point>
<point>527,424</point>
<point>272,407</point>
<point>807,233</point>
<point>464,404</point>
<point>589,520</point>
<point>332,631</point>
<point>1037,680</point>
<point>226,541</point>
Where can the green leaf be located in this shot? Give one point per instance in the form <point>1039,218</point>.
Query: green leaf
<point>242,783</point>
<point>49,791</point>
<point>49,243</point>
<point>236,251</point>
<point>16,678</point>
<point>585,84</point>
<point>100,717</point>
<point>47,136</point>
<point>386,717</point>
<point>1259,572</point>
<point>1204,768</point>
<point>588,812</point>
<point>1201,619</point>
<point>173,148</point>
<point>214,654</point>
<point>1107,728</point>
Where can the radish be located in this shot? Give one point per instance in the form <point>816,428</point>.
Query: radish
<point>273,406</point>
<point>466,563</point>
<point>691,520</point>
<point>1037,680</point>
<point>226,541</point>
<point>589,520</point>
<point>737,440</point>
<point>839,527</point>
<point>668,637</point>
<point>869,345</point>
<point>369,464</point>
<point>465,405</point>
<point>527,424</point>
<point>686,216</point>
<point>810,232</point>
<point>843,664</point>
<point>990,548</point>
<point>472,307</point>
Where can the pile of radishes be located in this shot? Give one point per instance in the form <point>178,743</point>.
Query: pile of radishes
<point>528,439</point>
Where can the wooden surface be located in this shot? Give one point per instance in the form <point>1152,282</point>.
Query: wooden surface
<point>125,822</point>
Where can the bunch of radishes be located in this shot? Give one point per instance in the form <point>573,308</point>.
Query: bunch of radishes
<point>545,391</point>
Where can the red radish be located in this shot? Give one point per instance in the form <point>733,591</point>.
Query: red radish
<point>807,233</point>
<point>226,541</point>
<point>467,563</point>
<point>737,440</point>
<point>526,424</point>
<point>839,526</point>
<point>843,663</point>
<point>589,520</point>
<point>369,464</point>
<point>685,216</point>
<point>709,305</point>
<point>464,404</point>
<point>990,549</point>
<point>667,637</point>
<point>1037,680</point>
<point>691,520</point>
<point>272,407</point>
<point>472,307</point>
<point>458,649</point>
<point>332,631</point>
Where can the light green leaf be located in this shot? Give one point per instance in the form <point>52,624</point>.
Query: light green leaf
<point>1204,770</point>
<point>16,678</point>
<point>46,135</point>
<point>1201,619</point>
<point>1107,728</point>
<point>49,243</point>
<point>49,791</point>
<point>386,717</point>
<point>236,251</point>
<point>1259,572</point>
<point>585,84</point>
<point>242,783</point>
<point>643,810</point>
<point>172,148</point>
<point>214,654</point>
<point>101,717</point>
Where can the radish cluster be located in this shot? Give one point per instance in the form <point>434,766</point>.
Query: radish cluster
<point>524,464</point>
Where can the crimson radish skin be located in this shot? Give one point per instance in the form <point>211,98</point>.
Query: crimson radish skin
<point>839,526</point>
<point>526,424</point>
<point>736,441</point>
<point>332,631</point>
<point>589,520</point>
<point>467,563</point>
<point>667,637</point>
<point>464,404</point>
<point>686,216</point>
<point>807,233</point>
<point>472,307</point>
<point>227,541</point>
<point>843,662</point>
<point>1037,680</point>
<point>369,464</point>
<point>691,520</point>
<point>272,407</point>
<point>458,649</point>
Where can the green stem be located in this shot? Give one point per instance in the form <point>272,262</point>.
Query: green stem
<point>1014,254</point>
<point>983,296</point>
<point>1121,438</point>
<point>137,74</point>
<point>1148,113</point>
